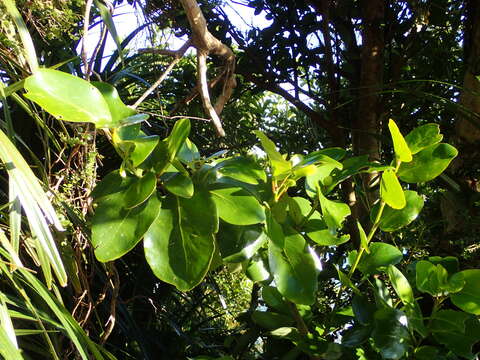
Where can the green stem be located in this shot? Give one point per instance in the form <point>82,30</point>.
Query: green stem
<point>371,233</point>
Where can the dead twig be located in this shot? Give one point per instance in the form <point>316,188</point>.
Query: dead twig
<point>177,55</point>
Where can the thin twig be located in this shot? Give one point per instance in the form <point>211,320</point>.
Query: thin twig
<point>86,23</point>
<point>178,55</point>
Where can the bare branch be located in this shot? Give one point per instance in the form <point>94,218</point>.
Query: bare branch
<point>204,94</point>
<point>86,23</point>
<point>207,44</point>
<point>177,55</point>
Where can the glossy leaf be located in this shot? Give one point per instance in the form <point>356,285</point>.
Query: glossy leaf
<point>143,146</point>
<point>199,213</point>
<point>239,243</point>
<point>390,335</point>
<point>65,97</point>
<point>188,152</point>
<point>381,255</point>
<point>447,331</point>
<point>177,137</point>
<point>291,264</point>
<point>242,169</point>
<point>112,183</point>
<point>257,270</point>
<point>391,191</point>
<point>236,206</point>
<point>423,136</point>
<point>402,152</point>
<point>468,298</point>
<point>428,163</point>
<point>401,285</point>
<point>118,109</point>
<point>321,175</point>
<point>178,184</point>
<point>271,320</point>
<point>175,254</point>
<point>395,219</point>
<point>140,190</point>
<point>278,163</point>
<point>363,237</point>
<point>116,229</point>
<point>275,300</point>
<point>334,212</point>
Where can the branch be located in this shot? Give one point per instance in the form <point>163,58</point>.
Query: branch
<point>207,44</point>
<point>177,55</point>
<point>204,94</point>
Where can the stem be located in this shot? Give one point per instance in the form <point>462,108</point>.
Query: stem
<point>372,231</point>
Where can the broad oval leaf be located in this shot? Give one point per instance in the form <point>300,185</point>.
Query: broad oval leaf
<point>291,264</point>
<point>68,97</point>
<point>402,152</point>
<point>236,206</point>
<point>140,190</point>
<point>178,184</point>
<point>401,285</point>
<point>243,169</point>
<point>380,255</point>
<point>199,213</point>
<point>177,137</point>
<point>118,109</point>
<point>395,219</point>
<point>391,191</point>
<point>239,243</point>
<point>112,183</point>
<point>175,254</point>
<point>423,136</point>
<point>257,270</point>
<point>390,336</point>
<point>428,163</point>
<point>334,212</point>
<point>468,299</point>
<point>270,320</point>
<point>188,152</point>
<point>143,146</point>
<point>116,230</point>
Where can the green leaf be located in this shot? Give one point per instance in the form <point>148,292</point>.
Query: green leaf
<point>363,237</point>
<point>178,184</point>
<point>112,183</point>
<point>391,191</point>
<point>395,219</point>
<point>390,336</point>
<point>68,97</point>
<point>381,255</point>
<point>448,321</point>
<point>110,23</point>
<point>275,300</point>
<point>174,252</point>
<point>324,236</point>
<point>242,169</point>
<point>401,285</point>
<point>447,331</point>
<point>116,229</point>
<point>143,146</point>
<point>426,277</point>
<point>118,109</point>
<point>188,152</point>
<point>177,137</point>
<point>321,175</point>
<point>236,206</point>
<point>199,213</point>
<point>402,152</point>
<point>257,270</point>
<point>140,190</point>
<point>291,264</point>
<point>278,163</point>
<point>270,320</point>
<point>428,163</point>
<point>468,299</point>
<point>334,212</point>
<point>239,243</point>
<point>426,353</point>
<point>423,136</point>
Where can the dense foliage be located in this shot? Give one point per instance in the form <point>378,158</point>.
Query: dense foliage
<point>318,227</point>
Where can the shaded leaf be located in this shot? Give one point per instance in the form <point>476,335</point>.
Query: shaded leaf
<point>239,243</point>
<point>468,299</point>
<point>236,206</point>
